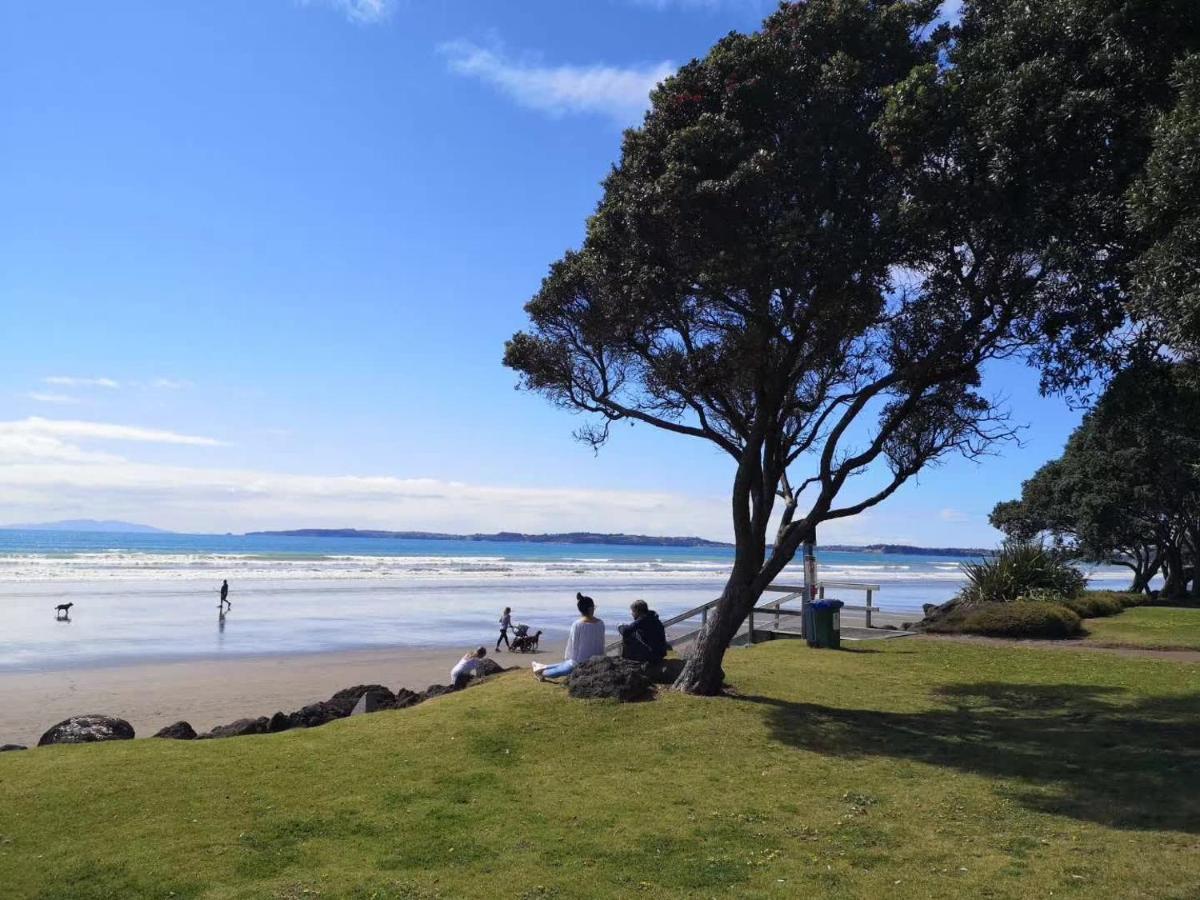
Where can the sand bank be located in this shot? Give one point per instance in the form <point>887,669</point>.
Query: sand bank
<point>215,691</point>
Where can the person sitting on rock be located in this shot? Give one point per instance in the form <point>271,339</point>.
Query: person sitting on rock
<point>585,641</point>
<point>644,639</point>
<point>466,667</point>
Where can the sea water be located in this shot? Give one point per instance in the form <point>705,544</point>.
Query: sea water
<point>154,597</point>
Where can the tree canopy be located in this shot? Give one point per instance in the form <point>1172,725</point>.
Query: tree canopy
<point>1127,488</point>
<point>822,234</point>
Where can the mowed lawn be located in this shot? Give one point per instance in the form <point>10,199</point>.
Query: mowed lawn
<point>905,768</point>
<point>1151,627</point>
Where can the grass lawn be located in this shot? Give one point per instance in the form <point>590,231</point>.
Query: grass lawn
<point>1151,627</point>
<point>905,768</point>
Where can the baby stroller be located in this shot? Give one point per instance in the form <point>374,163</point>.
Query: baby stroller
<point>523,641</point>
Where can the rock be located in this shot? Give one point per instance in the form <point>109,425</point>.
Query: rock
<point>488,667</point>
<point>240,728</point>
<point>279,722</point>
<point>928,609</point>
<point>604,677</point>
<point>406,698</point>
<point>177,731</point>
<point>6,748</point>
<point>321,713</point>
<point>373,701</point>
<point>383,696</point>
<point>665,672</point>
<point>88,729</point>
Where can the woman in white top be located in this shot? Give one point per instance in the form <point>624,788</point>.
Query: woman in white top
<point>585,641</point>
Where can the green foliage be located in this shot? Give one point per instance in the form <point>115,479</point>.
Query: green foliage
<point>1024,619</point>
<point>1094,605</point>
<point>1019,569</point>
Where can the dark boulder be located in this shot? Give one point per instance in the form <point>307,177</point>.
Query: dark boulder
<point>177,731</point>
<point>88,729</point>
<point>406,698</point>
<point>665,672</point>
<point>384,698</point>
<point>373,701</point>
<point>604,677</point>
<point>240,728</point>
<point>489,667</point>
<point>322,712</point>
<point>6,748</point>
<point>279,722</point>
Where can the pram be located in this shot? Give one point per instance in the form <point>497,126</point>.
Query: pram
<point>523,641</point>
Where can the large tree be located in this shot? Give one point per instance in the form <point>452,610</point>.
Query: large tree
<point>1127,488</point>
<point>806,256</point>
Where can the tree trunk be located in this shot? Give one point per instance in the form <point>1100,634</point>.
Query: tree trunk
<point>1175,586</point>
<point>702,673</point>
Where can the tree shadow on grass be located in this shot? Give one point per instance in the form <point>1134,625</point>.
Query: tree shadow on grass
<point>1065,749</point>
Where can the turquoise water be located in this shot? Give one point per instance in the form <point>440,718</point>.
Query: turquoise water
<point>154,597</point>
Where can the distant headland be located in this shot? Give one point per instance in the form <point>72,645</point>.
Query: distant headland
<point>570,537</point>
<point>589,537</point>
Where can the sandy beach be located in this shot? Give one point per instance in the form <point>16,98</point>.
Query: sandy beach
<point>215,691</point>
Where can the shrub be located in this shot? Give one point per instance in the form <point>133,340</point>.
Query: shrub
<point>1029,619</point>
<point>1095,604</point>
<point>1018,570</point>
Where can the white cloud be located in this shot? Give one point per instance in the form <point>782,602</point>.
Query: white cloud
<point>622,93</point>
<point>45,397</point>
<point>72,381</point>
<point>104,431</point>
<point>170,384</point>
<point>363,11</point>
<point>953,515</point>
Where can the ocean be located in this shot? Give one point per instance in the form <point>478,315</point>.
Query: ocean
<point>153,597</point>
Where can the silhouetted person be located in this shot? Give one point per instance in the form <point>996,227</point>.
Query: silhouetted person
<point>224,605</point>
<point>645,638</point>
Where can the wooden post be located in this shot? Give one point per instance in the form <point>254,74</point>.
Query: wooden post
<point>868,607</point>
<point>704,617</point>
<point>820,592</point>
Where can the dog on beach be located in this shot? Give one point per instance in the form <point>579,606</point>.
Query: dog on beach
<point>63,610</point>
<point>526,643</point>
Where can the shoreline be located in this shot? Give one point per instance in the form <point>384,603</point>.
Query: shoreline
<point>212,692</point>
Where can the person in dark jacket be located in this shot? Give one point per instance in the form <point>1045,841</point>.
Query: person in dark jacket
<point>644,638</point>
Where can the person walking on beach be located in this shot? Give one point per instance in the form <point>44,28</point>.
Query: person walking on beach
<point>505,624</point>
<point>466,667</point>
<point>585,641</point>
<point>223,606</point>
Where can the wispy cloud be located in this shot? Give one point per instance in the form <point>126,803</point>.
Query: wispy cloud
<point>76,382</point>
<point>170,384</point>
<point>47,397</point>
<point>953,515</point>
<point>101,431</point>
<point>363,11</point>
<point>621,93</point>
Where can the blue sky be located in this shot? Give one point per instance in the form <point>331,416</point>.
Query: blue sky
<point>260,257</point>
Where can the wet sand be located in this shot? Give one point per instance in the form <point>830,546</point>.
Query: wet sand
<point>215,691</point>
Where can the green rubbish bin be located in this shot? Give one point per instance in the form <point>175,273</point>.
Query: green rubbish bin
<point>826,620</point>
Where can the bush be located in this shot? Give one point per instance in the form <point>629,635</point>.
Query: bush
<point>1028,619</point>
<point>1095,604</point>
<point>1020,569</point>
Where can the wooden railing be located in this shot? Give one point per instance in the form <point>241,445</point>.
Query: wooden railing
<point>774,607</point>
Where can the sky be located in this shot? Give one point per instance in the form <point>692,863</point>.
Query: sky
<point>259,259</point>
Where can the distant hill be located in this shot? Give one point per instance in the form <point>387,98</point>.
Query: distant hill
<point>589,537</point>
<point>573,537</point>
<point>912,551</point>
<point>106,525</point>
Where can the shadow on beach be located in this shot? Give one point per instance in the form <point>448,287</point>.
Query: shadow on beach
<point>1068,750</point>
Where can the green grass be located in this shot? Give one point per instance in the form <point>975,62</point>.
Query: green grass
<point>1149,627</point>
<point>906,768</point>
